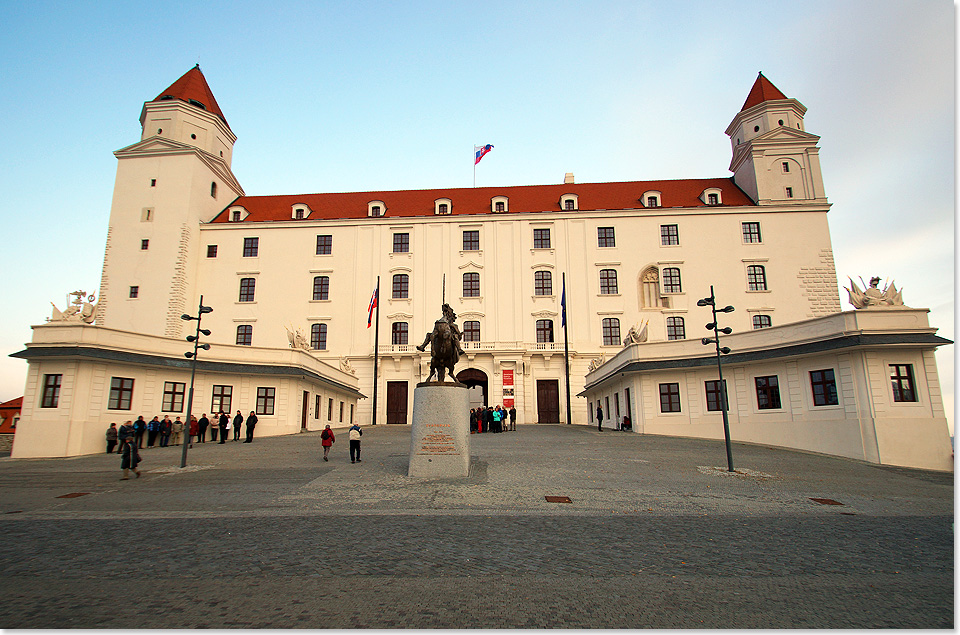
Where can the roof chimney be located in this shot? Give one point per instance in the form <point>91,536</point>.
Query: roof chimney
<point>568,177</point>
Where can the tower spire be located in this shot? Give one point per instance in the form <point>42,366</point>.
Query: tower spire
<point>192,88</point>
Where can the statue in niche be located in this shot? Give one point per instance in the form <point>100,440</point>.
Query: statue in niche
<point>637,334</point>
<point>872,296</point>
<point>297,338</point>
<point>444,344</point>
<point>77,311</point>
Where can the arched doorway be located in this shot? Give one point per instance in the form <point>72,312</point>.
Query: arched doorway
<point>476,383</point>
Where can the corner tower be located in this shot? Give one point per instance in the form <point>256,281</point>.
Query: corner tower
<point>175,178</point>
<point>775,161</point>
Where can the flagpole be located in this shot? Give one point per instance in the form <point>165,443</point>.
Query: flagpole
<point>475,148</point>
<point>566,346</point>
<point>376,353</point>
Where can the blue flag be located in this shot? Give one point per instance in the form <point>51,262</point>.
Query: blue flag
<point>563,305</point>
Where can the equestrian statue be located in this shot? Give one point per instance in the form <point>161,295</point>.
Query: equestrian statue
<point>444,343</point>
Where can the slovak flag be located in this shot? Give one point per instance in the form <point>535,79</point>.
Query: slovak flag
<point>373,305</point>
<point>480,151</point>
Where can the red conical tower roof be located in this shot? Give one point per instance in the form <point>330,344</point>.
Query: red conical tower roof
<point>192,88</point>
<point>762,91</point>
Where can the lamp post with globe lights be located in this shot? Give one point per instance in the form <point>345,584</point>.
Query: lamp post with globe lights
<point>712,326</point>
<point>193,372</point>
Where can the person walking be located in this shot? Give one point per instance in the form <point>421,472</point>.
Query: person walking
<point>224,422</point>
<point>202,426</point>
<point>237,424</point>
<point>251,424</point>
<point>513,418</point>
<point>112,433</point>
<point>326,440</point>
<point>177,431</point>
<point>139,427</point>
<point>153,429</point>
<point>166,429</point>
<point>129,450</point>
<point>599,418</point>
<point>355,434</point>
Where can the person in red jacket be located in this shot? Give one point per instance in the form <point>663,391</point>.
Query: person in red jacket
<point>326,440</point>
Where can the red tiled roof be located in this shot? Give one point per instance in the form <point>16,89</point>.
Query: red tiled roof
<point>13,403</point>
<point>465,201</point>
<point>192,86</point>
<point>762,91</point>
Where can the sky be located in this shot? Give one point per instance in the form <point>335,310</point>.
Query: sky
<point>360,96</point>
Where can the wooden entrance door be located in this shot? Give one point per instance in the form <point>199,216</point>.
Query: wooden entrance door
<point>396,402</point>
<point>548,401</point>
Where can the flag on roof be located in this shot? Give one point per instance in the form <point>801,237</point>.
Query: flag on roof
<point>373,305</point>
<point>480,151</point>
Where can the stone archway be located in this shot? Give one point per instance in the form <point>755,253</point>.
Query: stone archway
<point>474,380</point>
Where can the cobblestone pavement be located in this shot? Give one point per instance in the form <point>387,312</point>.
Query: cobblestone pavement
<point>658,534</point>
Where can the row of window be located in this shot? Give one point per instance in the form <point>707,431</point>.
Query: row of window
<point>606,237</point>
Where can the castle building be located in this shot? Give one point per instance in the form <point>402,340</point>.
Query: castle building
<point>290,279</point>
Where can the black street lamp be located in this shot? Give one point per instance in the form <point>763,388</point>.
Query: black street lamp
<point>193,372</point>
<point>712,303</point>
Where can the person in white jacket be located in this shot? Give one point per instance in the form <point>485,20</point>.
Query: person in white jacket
<point>355,433</point>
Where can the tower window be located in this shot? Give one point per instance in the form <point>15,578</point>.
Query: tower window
<point>756,278</point>
<point>901,379</point>
<point>789,192</point>
<point>134,292</point>
<point>251,247</point>
<point>675,328</point>
<point>786,166</point>
<point>245,335</point>
<point>248,288</point>
<point>762,322</point>
<point>324,245</point>
<point>751,232</point>
<point>608,282</point>
<point>670,397</point>
<point>211,251</point>
<point>51,391</point>
<point>153,182</point>
<point>611,331</point>
<point>671,280</point>
<point>824,386</point>
<point>213,189</point>
<point>145,244</point>
<point>321,288</point>
<point>318,337</point>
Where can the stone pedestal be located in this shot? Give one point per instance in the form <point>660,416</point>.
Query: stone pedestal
<point>440,437</point>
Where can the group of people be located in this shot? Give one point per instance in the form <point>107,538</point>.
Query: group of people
<point>327,439</point>
<point>171,432</point>
<point>493,419</point>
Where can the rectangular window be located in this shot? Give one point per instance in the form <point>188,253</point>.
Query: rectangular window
<point>471,240</point>
<point>611,331</point>
<point>669,397</point>
<point>134,292</point>
<point>145,244</point>
<point>401,243</point>
<point>751,232</point>
<point>245,335</point>
<point>608,282</point>
<point>541,238</point>
<point>671,280</point>
<point>471,331</point>
<point>768,392</point>
<point>251,247</point>
<point>330,409</point>
<point>901,379</point>
<point>542,283</point>
<point>351,414</point>
<point>499,206</point>
<point>756,278</point>
<point>401,286</point>
<point>318,337</point>
<point>316,408</point>
<point>824,386</point>
<point>265,400</point>
<point>669,235</point>
<point>789,192</point>
<point>400,333</point>
<point>222,399</point>
<point>121,393</point>
<point>341,412</point>
<point>236,216</point>
<point>714,397</point>
<point>786,166</point>
<point>153,182</point>
<point>652,201</point>
<point>676,329</point>
<point>762,322</point>
<point>248,287</point>
<point>173,392</point>
<point>211,251</point>
<point>321,288</point>
<point>51,391</point>
<point>605,237</point>
<point>544,331</point>
<point>471,285</point>
<point>324,245</point>
<point>713,199</point>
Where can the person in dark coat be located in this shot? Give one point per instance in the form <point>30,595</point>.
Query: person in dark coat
<point>224,420</point>
<point>111,438</point>
<point>513,418</point>
<point>599,418</point>
<point>251,424</point>
<point>139,427</point>
<point>153,429</point>
<point>166,429</point>
<point>202,426</point>
<point>488,419</point>
<point>237,422</point>
<point>129,451</point>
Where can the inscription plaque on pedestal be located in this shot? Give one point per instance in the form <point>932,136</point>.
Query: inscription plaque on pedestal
<point>440,435</point>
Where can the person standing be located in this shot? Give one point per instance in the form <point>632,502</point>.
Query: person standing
<point>513,418</point>
<point>215,427</point>
<point>139,427</point>
<point>223,421</point>
<point>153,429</point>
<point>326,440</point>
<point>488,419</point>
<point>599,418</point>
<point>237,424</point>
<point>194,429</point>
<point>251,424</point>
<point>496,420</point>
<point>202,426</point>
<point>166,429</point>
<point>177,431</point>
<point>130,453</point>
<point>112,433</point>
<point>355,434</point>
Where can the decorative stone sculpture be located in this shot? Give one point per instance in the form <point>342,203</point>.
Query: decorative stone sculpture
<point>444,343</point>
<point>346,367</point>
<point>873,297</point>
<point>297,339</point>
<point>77,311</point>
<point>636,334</point>
<point>595,363</point>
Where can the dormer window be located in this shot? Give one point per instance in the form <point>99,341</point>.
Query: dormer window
<point>300,211</point>
<point>237,214</point>
<point>713,199</point>
<point>651,199</point>
<point>499,204</point>
<point>569,202</point>
<point>298,214</point>
<point>711,196</point>
<point>376,209</point>
<point>442,206</point>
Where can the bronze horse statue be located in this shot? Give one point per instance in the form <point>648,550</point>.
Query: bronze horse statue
<point>444,345</point>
